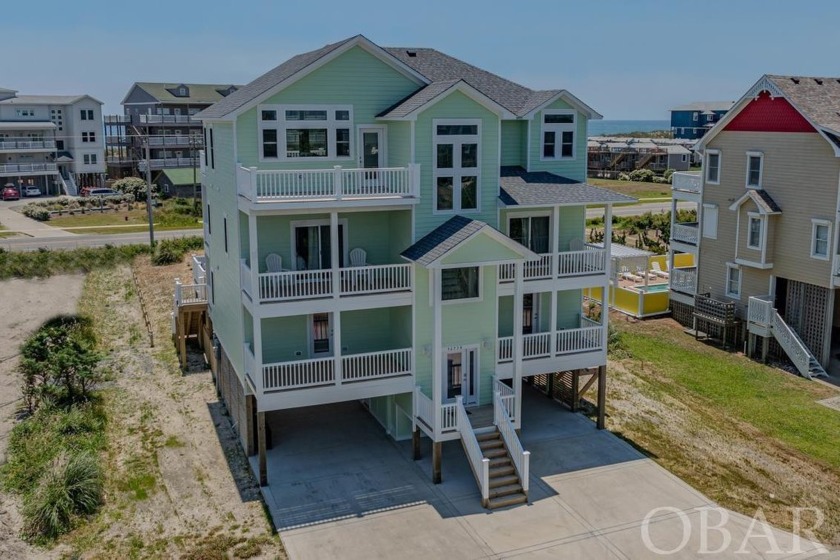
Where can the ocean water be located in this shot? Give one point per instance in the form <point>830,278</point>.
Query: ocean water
<point>605,128</point>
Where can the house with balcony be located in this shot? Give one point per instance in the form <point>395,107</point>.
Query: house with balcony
<point>765,239</point>
<point>162,115</point>
<point>398,227</point>
<point>53,142</point>
<point>693,120</point>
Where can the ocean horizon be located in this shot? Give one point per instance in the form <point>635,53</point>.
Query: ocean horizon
<point>607,127</point>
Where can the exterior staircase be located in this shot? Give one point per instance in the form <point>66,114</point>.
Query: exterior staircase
<point>505,486</point>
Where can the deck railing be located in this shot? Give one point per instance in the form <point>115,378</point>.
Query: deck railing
<point>687,233</point>
<point>580,340</point>
<point>376,365</point>
<point>353,281</point>
<point>27,145</point>
<point>688,182</point>
<point>168,119</point>
<point>521,458</point>
<point>27,167</point>
<point>546,345</point>
<point>336,183</point>
<point>760,310</point>
<point>479,464</point>
<point>245,276</point>
<point>507,396</point>
<point>448,417</point>
<point>299,374</point>
<point>568,263</point>
<point>199,269</point>
<point>189,293</point>
<point>424,408</point>
<point>684,279</point>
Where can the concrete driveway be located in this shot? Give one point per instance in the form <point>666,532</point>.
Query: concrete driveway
<point>340,488</point>
<point>17,222</point>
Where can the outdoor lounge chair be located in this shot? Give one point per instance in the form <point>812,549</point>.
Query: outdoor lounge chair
<point>657,270</point>
<point>627,275</point>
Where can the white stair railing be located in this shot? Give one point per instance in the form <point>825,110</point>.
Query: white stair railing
<point>424,408</point>
<point>479,464</point>
<point>507,395</point>
<point>792,345</point>
<point>521,458</point>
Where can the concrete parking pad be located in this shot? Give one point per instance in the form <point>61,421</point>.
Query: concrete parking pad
<point>339,487</point>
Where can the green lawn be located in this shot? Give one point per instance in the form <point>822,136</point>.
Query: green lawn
<point>633,188</point>
<point>170,215</point>
<point>107,230</point>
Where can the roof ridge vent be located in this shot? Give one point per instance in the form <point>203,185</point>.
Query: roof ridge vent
<point>819,81</point>
<point>795,80</point>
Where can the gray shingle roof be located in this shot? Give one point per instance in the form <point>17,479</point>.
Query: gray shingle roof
<point>705,106</point>
<point>817,98</point>
<point>442,239</point>
<point>267,81</point>
<point>766,202</point>
<point>540,188</point>
<point>417,99</point>
<point>45,99</point>
<point>198,93</point>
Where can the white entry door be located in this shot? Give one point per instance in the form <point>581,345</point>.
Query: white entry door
<point>460,371</point>
<point>371,147</point>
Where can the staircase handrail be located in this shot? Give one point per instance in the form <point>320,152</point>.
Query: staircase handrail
<point>479,464</point>
<point>792,345</point>
<point>521,458</point>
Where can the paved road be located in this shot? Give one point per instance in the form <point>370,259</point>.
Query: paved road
<point>639,209</point>
<point>97,240</point>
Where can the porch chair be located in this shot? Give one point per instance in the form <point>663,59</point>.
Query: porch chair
<point>273,263</point>
<point>627,275</point>
<point>657,270</point>
<point>359,278</point>
<point>358,257</point>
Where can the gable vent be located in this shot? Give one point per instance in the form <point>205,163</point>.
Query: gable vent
<point>819,82</point>
<point>795,80</point>
<point>411,54</point>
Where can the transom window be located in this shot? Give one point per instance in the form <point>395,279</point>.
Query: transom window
<point>755,163</point>
<point>298,132</point>
<point>733,281</point>
<point>558,134</point>
<point>713,166</point>
<point>820,236</point>
<point>457,162</point>
<point>460,283</point>
<point>754,235</point>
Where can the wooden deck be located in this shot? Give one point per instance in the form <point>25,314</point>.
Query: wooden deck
<point>481,416</point>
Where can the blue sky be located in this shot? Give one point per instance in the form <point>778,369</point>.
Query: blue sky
<point>627,59</point>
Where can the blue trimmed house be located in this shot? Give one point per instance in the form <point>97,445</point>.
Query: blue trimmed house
<point>398,227</point>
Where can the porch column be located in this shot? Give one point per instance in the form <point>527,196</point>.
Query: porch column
<point>602,397</point>
<point>437,347</point>
<point>253,256</point>
<point>517,341</point>
<point>336,327</point>
<point>437,450</point>
<point>334,255</point>
<point>261,448</point>
<point>605,308</point>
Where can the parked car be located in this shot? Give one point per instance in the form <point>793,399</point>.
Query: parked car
<point>31,191</point>
<point>10,193</point>
<point>102,192</point>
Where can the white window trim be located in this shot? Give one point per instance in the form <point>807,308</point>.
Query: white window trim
<point>281,125</point>
<point>536,214</point>
<point>814,223</point>
<point>760,156</point>
<point>342,222</point>
<point>733,266</point>
<point>719,166</point>
<point>465,300</point>
<point>558,130</point>
<point>761,232</point>
<point>456,171</point>
<point>695,116</point>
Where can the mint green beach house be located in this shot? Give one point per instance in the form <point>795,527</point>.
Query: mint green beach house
<point>398,227</point>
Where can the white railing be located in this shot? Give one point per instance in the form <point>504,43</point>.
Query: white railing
<point>73,188</point>
<point>279,286</point>
<point>376,365</point>
<point>175,141</point>
<point>479,464</point>
<point>168,119</point>
<point>250,362</point>
<point>792,345</point>
<point>162,163</point>
<point>587,322</point>
<point>448,417</point>
<point>536,345</point>
<point>199,269</point>
<point>245,276</point>
<point>298,374</point>
<point>374,279</point>
<point>580,340</point>
<point>189,293</point>
<point>684,279</point>
<point>27,145</point>
<point>333,184</point>
<point>504,345</point>
<point>27,167</point>
<point>689,182</point>
<point>507,395</point>
<point>532,270</point>
<point>588,261</point>
<point>760,310</point>
<point>687,233</point>
<point>521,458</point>
<point>424,408</point>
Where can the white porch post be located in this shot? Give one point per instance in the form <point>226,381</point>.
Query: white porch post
<point>437,346</point>
<point>254,257</point>
<point>555,241</point>
<point>670,266</point>
<point>336,285</point>
<point>517,341</point>
<point>605,309</point>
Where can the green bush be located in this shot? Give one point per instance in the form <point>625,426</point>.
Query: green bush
<point>36,212</point>
<point>134,187</point>
<point>171,251</point>
<point>45,262</point>
<point>642,175</point>
<point>623,176</point>
<point>668,173</point>
<point>71,486</point>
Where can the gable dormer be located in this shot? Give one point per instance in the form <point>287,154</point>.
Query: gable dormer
<point>181,90</point>
<point>225,91</point>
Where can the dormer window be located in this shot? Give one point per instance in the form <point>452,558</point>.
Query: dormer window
<point>182,91</point>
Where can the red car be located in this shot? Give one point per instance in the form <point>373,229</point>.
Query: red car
<point>10,193</point>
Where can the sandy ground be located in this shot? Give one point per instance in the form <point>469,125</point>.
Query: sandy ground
<point>24,306</point>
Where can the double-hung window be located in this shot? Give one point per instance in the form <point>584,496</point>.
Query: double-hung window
<point>88,137</point>
<point>733,281</point>
<point>713,167</point>
<point>461,283</point>
<point>755,231</point>
<point>558,134</point>
<point>86,114</point>
<point>820,239</point>
<point>457,163</point>
<point>290,132</point>
<point>755,167</point>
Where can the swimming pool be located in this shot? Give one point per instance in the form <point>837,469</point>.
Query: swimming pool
<point>653,288</point>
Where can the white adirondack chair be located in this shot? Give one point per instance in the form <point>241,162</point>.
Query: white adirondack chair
<point>274,262</point>
<point>358,257</point>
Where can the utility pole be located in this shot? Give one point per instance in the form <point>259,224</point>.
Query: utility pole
<point>149,194</point>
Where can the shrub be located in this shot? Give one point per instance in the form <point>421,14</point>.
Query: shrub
<point>170,251</point>
<point>642,175</point>
<point>660,180</point>
<point>36,212</point>
<point>71,486</point>
<point>623,176</point>
<point>134,187</point>
<point>668,173</point>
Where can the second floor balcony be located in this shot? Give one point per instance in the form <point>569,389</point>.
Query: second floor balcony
<point>684,279</point>
<point>686,184</point>
<point>336,184</point>
<point>688,233</point>
<point>27,169</point>
<point>26,145</point>
<point>167,163</point>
